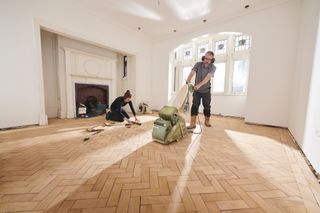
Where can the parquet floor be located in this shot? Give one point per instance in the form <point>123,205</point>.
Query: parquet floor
<point>230,167</point>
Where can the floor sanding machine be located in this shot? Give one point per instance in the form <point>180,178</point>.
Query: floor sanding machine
<point>171,125</point>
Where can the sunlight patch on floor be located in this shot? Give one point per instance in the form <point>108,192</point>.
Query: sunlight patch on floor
<point>181,185</point>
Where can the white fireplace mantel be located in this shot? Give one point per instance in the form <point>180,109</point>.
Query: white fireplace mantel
<point>85,68</point>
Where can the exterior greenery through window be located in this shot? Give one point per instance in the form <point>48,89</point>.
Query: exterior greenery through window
<point>232,51</point>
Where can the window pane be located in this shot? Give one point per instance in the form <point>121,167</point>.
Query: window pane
<point>202,49</point>
<point>242,43</point>
<point>240,73</point>
<point>219,77</point>
<point>185,73</point>
<point>187,55</point>
<point>221,47</point>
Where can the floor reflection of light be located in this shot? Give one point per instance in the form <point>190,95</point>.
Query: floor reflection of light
<point>190,10</point>
<point>242,139</point>
<point>191,153</point>
<point>70,129</point>
<point>105,157</point>
<point>61,134</point>
<point>251,145</point>
<point>23,144</point>
<point>99,158</point>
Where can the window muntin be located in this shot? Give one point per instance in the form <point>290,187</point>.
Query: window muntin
<point>175,79</point>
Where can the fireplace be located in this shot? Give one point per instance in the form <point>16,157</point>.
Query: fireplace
<point>91,99</point>
<point>84,75</point>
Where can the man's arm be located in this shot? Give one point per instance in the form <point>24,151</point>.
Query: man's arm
<point>204,81</point>
<point>191,74</point>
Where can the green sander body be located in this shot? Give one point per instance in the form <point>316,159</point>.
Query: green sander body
<point>169,127</point>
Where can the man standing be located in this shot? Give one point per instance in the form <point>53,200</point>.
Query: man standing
<point>204,71</point>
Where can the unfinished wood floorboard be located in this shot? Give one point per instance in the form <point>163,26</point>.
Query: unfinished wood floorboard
<point>230,167</point>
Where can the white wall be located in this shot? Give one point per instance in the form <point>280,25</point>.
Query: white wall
<point>305,114</point>
<point>233,105</point>
<point>22,87</point>
<point>272,62</point>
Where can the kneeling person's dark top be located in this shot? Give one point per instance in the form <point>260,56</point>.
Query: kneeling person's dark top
<point>117,112</point>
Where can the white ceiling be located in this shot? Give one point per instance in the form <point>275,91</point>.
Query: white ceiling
<point>159,18</point>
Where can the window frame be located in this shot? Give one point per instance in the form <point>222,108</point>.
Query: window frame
<point>229,57</point>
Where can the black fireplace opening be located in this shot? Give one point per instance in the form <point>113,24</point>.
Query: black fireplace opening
<point>91,99</point>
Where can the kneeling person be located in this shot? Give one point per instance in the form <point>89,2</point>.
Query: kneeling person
<point>117,112</point>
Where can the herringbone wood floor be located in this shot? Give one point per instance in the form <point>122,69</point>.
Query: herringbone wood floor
<point>230,167</point>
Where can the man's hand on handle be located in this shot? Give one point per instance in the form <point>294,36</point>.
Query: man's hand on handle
<point>196,87</point>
